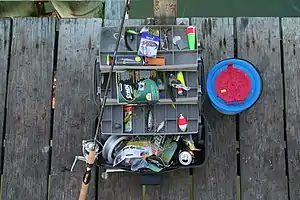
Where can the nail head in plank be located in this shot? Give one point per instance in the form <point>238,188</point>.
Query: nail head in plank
<point>29,109</point>
<point>261,127</point>
<point>75,111</point>
<point>5,40</point>
<point>217,178</point>
<point>291,48</point>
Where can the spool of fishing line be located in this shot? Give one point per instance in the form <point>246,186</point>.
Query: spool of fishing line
<point>233,85</point>
<point>112,145</point>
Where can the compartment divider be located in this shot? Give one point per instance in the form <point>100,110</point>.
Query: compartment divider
<point>166,84</point>
<point>138,38</point>
<point>172,45</point>
<point>166,119</point>
<point>122,117</point>
<point>186,80</point>
<point>176,114</point>
<point>160,36</point>
<point>138,115</point>
<point>145,110</point>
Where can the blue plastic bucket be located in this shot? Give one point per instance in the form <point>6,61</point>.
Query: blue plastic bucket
<point>250,88</point>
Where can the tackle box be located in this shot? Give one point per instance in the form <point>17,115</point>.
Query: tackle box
<point>177,58</point>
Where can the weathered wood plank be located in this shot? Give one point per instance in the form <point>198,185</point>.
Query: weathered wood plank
<point>128,22</point>
<point>175,185</point>
<point>5,25</point>
<point>120,186</point>
<point>165,11</point>
<point>75,111</point>
<point>217,178</point>
<point>114,9</point>
<point>291,47</point>
<point>261,128</point>
<point>28,123</point>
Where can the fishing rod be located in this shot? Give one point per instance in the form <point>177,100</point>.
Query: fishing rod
<point>92,154</point>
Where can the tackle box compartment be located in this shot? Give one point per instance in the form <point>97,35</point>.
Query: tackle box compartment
<point>190,104</point>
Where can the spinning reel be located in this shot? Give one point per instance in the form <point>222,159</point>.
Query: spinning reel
<point>87,146</point>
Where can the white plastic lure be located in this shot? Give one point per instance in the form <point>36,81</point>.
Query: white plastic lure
<point>150,121</point>
<point>160,126</point>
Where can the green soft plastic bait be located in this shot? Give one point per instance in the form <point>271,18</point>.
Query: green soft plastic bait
<point>133,32</point>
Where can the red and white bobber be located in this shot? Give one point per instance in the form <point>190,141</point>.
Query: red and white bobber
<point>182,123</point>
<point>180,91</point>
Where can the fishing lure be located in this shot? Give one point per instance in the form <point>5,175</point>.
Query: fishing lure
<point>160,126</point>
<point>150,120</point>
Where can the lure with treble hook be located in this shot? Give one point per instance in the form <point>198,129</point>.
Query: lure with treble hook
<point>92,154</point>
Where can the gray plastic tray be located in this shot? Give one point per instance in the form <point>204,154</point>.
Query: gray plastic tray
<point>179,60</point>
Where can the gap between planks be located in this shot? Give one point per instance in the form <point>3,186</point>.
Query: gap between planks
<point>53,86</point>
<point>284,108</point>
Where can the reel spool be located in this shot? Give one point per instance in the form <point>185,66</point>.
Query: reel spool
<point>112,145</point>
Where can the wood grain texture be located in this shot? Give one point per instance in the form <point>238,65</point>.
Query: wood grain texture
<point>217,178</point>
<point>261,127</point>
<point>165,11</point>
<point>75,111</point>
<point>28,123</point>
<point>114,9</point>
<point>120,186</point>
<point>128,22</point>
<point>5,25</point>
<point>291,48</point>
<point>175,185</point>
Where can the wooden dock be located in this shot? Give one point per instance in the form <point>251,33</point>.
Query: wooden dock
<point>254,156</point>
